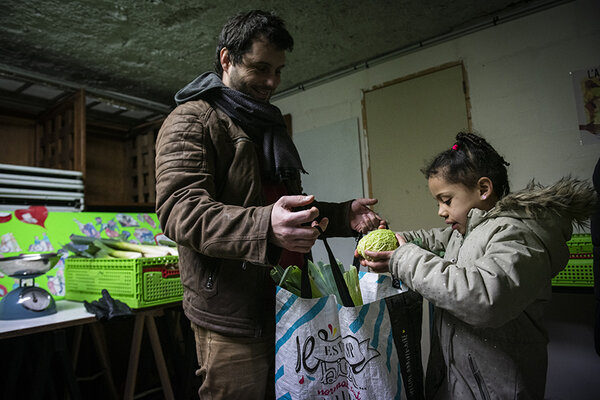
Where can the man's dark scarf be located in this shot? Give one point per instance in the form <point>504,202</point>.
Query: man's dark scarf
<point>263,122</point>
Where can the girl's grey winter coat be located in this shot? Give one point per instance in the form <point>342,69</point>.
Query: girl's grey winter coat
<point>489,289</point>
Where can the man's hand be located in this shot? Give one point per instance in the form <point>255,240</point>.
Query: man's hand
<point>295,230</point>
<point>362,218</point>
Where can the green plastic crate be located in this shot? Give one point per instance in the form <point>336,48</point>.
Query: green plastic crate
<point>581,243</point>
<point>578,272</point>
<point>138,282</point>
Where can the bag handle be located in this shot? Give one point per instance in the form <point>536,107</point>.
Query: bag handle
<point>356,259</point>
<point>305,289</point>
<point>338,277</point>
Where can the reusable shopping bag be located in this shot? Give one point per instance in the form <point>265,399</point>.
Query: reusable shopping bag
<point>325,350</point>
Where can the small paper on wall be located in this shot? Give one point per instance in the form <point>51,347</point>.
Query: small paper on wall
<point>586,84</point>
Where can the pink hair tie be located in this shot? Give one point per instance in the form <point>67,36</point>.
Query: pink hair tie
<point>455,147</point>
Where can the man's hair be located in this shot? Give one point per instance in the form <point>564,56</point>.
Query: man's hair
<point>241,30</point>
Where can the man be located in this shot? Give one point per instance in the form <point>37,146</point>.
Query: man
<point>229,193</point>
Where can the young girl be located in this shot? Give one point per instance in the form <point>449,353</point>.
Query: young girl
<point>488,273</point>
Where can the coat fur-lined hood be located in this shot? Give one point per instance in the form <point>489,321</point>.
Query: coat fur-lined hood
<point>571,199</point>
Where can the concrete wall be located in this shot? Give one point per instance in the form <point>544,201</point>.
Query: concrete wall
<point>523,101</point>
<point>520,86</point>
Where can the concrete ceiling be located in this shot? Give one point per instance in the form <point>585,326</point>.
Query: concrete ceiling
<point>149,49</point>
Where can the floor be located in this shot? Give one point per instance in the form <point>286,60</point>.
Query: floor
<point>573,364</point>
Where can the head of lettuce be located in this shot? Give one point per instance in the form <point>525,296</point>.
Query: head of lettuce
<point>377,240</point>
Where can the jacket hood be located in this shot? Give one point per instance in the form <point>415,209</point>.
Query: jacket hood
<point>551,212</point>
<point>198,87</point>
<point>569,199</point>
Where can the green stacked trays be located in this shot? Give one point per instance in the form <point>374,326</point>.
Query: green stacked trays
<point>579,269</point>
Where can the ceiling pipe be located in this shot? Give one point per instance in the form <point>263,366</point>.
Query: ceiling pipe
<point>532,8</point>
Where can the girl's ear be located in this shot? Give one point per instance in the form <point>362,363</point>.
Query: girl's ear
<point>486,187</point>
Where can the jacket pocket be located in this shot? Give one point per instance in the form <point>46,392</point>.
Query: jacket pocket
<point>478,378</point>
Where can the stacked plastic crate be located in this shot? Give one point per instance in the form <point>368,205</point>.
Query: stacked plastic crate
<point>579,270</point>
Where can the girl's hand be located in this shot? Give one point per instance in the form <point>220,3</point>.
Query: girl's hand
<point>380,263</point>
<point>401,240</point>
<point>380,259</point>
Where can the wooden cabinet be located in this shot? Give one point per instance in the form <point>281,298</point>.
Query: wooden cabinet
<point>116,159</point>
<point>60,135</point>
<point>120,168</point>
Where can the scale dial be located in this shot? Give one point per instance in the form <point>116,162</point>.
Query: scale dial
<point>35,299</point>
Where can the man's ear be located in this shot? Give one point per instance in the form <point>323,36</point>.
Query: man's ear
<point>225,59</point>
<point>486,187</point>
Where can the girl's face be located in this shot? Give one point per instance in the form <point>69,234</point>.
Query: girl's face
<point>455,200</point>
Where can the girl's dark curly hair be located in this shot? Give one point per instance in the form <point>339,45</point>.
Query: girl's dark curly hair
<point>239,32</point>
<point>469,159</point>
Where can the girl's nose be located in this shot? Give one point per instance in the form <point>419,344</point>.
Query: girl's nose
<point>442,212</point>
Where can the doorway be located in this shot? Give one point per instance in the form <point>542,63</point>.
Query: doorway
<point>408,121</point>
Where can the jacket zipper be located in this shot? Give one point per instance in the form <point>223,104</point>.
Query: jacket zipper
<point>479,379</point>
<point>210,281</point>
<point>449,346</point>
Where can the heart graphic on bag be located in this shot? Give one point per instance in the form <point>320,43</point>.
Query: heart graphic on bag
<point>301,381</point>
<point>33,215</point>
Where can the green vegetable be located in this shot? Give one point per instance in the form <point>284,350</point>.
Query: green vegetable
<point>146,249</point>
<point>112,252</point>
<point>322,276</point>
<point>277,273</point>
<point>291,279</point>
<point>377,240</point>
<point>321,280</point>
<point>107,247</point>
<point>351,278</point>
<point>83,253</point>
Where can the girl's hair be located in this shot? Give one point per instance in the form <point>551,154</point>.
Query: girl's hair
<point>469,159</point>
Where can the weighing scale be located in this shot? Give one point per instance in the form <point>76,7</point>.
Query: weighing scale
<point>27,301</point>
